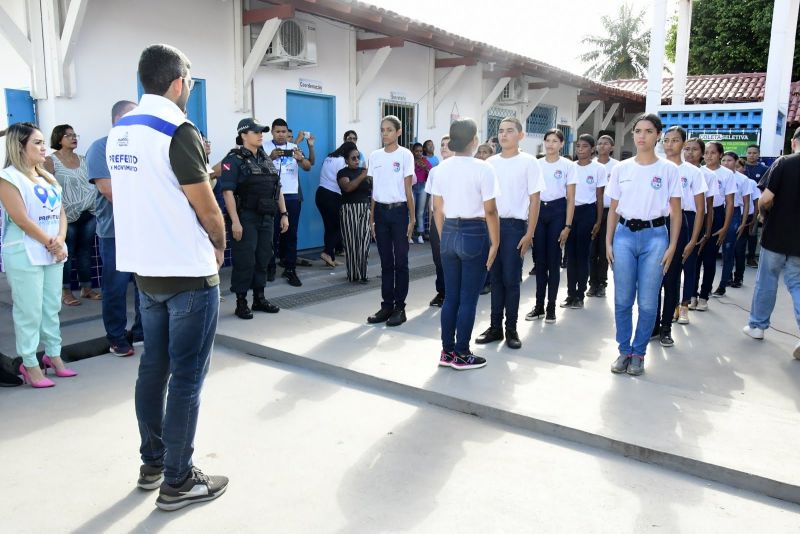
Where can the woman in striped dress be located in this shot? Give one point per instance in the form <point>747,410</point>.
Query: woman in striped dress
<point>354,215</point>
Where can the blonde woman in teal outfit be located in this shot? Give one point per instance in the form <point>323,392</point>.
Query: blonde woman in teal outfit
<point>33,250</point>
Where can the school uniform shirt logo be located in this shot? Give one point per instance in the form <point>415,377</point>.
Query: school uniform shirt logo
<point>557,175</point>
<point>656,183</point>
<point>590,180</point>
<point>684,182</point>
<point>49,196</point>
<point>396,166</point>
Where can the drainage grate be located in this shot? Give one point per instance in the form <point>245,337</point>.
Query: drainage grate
<point>345,289</point>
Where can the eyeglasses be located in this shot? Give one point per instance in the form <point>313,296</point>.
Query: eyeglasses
<point>73,136</point>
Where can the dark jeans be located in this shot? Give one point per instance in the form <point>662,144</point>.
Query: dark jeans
<point>598,263</point>
<point>506,274</point>
<point>437,256</point>
<point>252,253</point>
<point>729,249</point>
<point>178,339</point>
<point>391,232</point>
<point>465,247</point>
<point>578,247</point>
<point>690,265</point>
<point>547,250</point>
<point>328,204</point>
<point>707,259</point>
<point>115,295</point>
<point>285,244</point>
<point>740,256</point>
<point>80,243</point>
<point>672,280</point>
<point>752,240</point>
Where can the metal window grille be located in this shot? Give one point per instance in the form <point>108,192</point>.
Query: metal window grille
<point>493,118</point>
<point>542,119</point>
<point>567,131</point>
<point>407,113</point>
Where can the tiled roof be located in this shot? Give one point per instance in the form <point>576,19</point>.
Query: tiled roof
<point>719,89</point>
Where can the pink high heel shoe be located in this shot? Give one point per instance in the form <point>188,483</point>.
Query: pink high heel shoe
<point>66,372</point>
<point>43,383</point>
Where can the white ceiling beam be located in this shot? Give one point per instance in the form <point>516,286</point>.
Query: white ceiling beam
<point>607,119</point>
<point>375,64</point>
<point>449,83</point>
<point>586,113</point>
<point>259,49</point>
<point>15,37</point>
<point>534,99</point>
<point>72,28</point>
<point>491,98</point>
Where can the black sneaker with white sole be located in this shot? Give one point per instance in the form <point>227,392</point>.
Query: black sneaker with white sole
<point>150,476</point>
<point>467,361</point>
<point>197,487</point>
<point>536,313</point>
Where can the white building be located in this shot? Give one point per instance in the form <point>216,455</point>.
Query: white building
<point>327,66</point>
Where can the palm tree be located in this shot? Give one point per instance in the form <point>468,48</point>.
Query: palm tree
<point>623,53</point>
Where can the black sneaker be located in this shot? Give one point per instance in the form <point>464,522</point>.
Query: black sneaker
<point>242,309</point>
<point>577,304</point>
<point>197,488</point>
<point>512,339</point>
<point>122,348</point>
<point>536,313</point>
<point>446,358</point>
<point>550,315</point>
<point>567,303</point>
<point>438,300</point>
<point>381,316</point>
<point>397,318</point>
<point>720,292</point>
<point>150,476</point>
<point>752,263</point>
<point>491,334</point>
<point>736,284</point>
<point>486,289</point>
<point>601,292</point>
<point>263,305</point>
<point>532,272</point>
<point>666,338</point>
<point>592,292</point>
<point>462,362</point>
<point>291,277</point>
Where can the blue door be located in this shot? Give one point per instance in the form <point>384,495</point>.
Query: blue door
<point>20,107</point>
<point>195,107</point>
<point>316,114</point>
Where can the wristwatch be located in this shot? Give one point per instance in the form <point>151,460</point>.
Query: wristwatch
<point>568,226</point>
<point>284,214</point>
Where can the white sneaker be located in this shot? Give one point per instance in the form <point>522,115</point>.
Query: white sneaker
<point>420,240</point>
<point>683,315</point>
<point>693,303</point>
<point>757,333</point>
<point>796,352</point>
<point>702,305</point>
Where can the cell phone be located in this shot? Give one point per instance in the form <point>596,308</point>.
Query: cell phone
<point>289,153</point>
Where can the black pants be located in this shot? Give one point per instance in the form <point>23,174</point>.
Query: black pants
<point>547,250</point>
<point>598,263</point>
<point>707,260</point>
<point>671,285</point>
<point>506,274</point>
<point>251,254</point>
<point>437,256</point>
<point>391,231</point>
<point>328,204</point>
<point>285,244</point>
<point>578,248</point>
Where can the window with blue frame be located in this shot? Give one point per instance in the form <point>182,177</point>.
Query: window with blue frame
<point>542,119</point>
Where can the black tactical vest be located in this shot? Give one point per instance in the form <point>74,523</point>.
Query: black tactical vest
<point>260,184</point>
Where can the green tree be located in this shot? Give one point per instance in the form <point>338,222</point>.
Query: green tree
<point>730,36</point>
<point>623,52</point>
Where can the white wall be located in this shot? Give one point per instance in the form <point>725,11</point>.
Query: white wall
<point>14,72</point>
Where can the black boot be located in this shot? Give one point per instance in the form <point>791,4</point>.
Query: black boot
<point>262,304</point>
<point>242,309</point>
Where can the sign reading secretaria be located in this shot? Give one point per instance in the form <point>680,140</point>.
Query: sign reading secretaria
<point>736,140</point>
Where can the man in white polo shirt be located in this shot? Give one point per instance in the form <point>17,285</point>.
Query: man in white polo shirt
<point>392,219</point>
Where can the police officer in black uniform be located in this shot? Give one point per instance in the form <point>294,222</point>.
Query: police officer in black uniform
<point>251,189</point>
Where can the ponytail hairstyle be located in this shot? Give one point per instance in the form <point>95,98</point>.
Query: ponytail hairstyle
<point>344,150</point>
<point>718,147</point>
<point>700,143</point>
<point>17,137</point>
<point>680,131</point>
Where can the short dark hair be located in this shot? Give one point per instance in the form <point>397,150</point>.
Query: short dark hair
<point>462,133</point>
<point>555,131</point>
<point>699,141</point>
<point>680,131</point>
<point>279,122</point>
<point>588,138</point>
<point>607,138</point>
<point>415,145</point>
<point>717,146</point>
<point>652,118</point>
<point>513,120</point>
<point>348,133</point>
<point>754,146</point>
<point>159,66</point>
<point>796,133</point>
<point>58,134</point>
<point>116,109</point>
<point>731,154</point>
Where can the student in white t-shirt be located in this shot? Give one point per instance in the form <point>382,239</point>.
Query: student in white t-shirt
<point>521,181</point>
<point>743,242</point>
<point>392,219</point>
<point>738,233</point>
<point>645,195</point>
<point>598,264</point>
<point>464,192</point>
<point>693,188</point>
<point>721,223</point>
<point>557,207</point>
<point>438,300</point>
<point>591,184</point>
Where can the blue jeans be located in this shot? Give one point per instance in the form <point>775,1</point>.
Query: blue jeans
<point>637,276</point>
<point>690,265</point>
<point>465,248</point>
<point>391,233</point>
<point>80,244</point>
<point>284,245</point>
<point>770,266</point>
<point>740,253</point>
<point>729,249</point>
<point>115,295</point>
<point>707,260</point>
<point>547,250</point>
<point>420,205</point>
<point>506,274</point>
<point>578,247</point>
<point>179,333</point>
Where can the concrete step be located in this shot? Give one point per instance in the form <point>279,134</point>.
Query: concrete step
<point>742,444</point>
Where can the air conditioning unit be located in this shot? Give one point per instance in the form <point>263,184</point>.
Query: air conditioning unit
<point>294,44</point>
<point>515,92</point>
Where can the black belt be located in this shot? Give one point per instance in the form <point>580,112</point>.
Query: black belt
<point>634,225</point>
<point>391,205</point>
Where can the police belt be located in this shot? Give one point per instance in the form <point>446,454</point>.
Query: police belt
<point>634,225</point>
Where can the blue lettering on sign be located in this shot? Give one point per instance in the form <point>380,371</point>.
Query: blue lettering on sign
<point>123,158</point>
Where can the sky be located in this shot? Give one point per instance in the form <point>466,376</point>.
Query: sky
<point>545,30</point>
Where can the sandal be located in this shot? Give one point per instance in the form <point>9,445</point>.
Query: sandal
<point>91,294</point>
<point>330,262</point>
<point>70,300</point>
